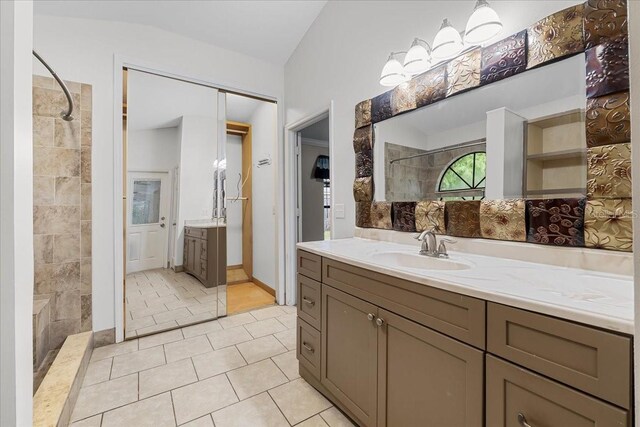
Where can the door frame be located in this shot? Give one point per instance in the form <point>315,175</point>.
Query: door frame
<point>119,63</point>
<point>288,293</point>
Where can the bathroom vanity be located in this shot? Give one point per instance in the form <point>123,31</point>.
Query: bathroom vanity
<point>396,339</point>
<point>205,254</point>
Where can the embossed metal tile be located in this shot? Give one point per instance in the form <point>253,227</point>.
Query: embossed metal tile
<point>463,218</point>
<point>364,163</point>
<point>608,119</point>
<point>430,86</point>
<point>604,20</point>
<point>430,216</point>
<point>363,214</point>
<point>504,58</point>
<point>555,36</point>
<point>363,139</point>
<point>381,215</point>
<point>503,220</point>
<point>608,68</point>
<point>558,222</point>
<point>463,72</point>
<point>403,98</point>
<point>404,216</point>
<point>609,171</point>
<point>381,107</point>
<point>608,224</point>
<point>363,189</point>
<point>363,113</point>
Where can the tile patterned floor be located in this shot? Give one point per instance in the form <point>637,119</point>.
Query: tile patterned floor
<point>238,371</point>
<point>162,299</point>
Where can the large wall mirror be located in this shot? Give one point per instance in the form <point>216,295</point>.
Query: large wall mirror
<point>519,137</point>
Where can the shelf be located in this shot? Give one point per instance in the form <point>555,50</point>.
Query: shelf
<point>556,191</point>
<point>559,155</point>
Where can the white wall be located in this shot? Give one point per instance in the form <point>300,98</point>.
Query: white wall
<point>342,53</point>
<point>265,238</point>
<point>153,150</point>
<point>234,209</point>
<point>83,50</point>
<point>16,214</point>
<point>312,193</point>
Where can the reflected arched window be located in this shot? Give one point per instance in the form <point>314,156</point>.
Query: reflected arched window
<point>464,178</point>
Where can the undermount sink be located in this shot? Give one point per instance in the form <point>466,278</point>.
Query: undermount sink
<point>404,259</point>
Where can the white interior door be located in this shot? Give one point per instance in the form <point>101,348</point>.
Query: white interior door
<point>147,213</point>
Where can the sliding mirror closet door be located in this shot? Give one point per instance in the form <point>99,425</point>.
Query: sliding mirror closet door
<point>220,205</point>
<point>174,158</point>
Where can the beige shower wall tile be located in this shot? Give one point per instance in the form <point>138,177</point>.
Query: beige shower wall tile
<point>43,131</point>
<point>85,244</point>
<point>86,128</point>
<point>67,191</point>
<point>85,313</point>
<point>85,202</point>
<point>42,249</point>
<point>85,275</point>
<point>67,306</point>
<point>50,278</point>
<point>51,102</point>
<point>66,247</point>
<point>56,219</point>
<point>86,165</point>
<point>61,329</point>
<point>43,82</point>
<point>50,161</point>
<point>86,97</point>
<point>43,190</point>
<point>67,134</point>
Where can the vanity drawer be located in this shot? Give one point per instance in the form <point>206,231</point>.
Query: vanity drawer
<point>198,233</point>
<point>512,391</point>
<point>310,265</point>
<point>588,359</point>
<point>309,300</point>
<point>455,315</point>
<point>308,347</point>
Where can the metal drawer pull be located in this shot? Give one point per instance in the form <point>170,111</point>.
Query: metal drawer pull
<point>379,321</point>
<point>308,347</point>
<point>523,421</point>
<point>308,301</point>
<point>370,316</point>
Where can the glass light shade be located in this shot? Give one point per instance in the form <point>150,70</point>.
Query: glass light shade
<point>392,73</point>
<point>417,59</point>
<point>447,42</point>
<point>483,24</point>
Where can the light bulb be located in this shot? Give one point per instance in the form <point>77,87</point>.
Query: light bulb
<point>483,24</point>
<point>392,72</point>
<point>417,59</point>
<point>447,43</point>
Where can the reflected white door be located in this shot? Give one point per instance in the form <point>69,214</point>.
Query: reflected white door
<point>147,219</point>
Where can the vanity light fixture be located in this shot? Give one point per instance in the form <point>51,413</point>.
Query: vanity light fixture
<point>393,72</point>
<point>447,43</point>
<point>483,24</point>
<point>418,58</point>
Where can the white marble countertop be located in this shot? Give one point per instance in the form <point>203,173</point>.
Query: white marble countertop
<point>205,223</point>
<point>598,299</point>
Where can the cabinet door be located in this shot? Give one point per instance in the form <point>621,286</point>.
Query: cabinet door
<point>191,254</point>
<point>197,262</point>
<point>426,378</point>
<point>349,352</point>
<point>517,397</point>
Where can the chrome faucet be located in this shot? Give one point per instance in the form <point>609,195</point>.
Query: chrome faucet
<point>430,246</point>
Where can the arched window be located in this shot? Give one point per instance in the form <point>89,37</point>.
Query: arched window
<point>464,178</point>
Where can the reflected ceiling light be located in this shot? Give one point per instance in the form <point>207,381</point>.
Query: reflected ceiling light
<point>447,42</point>
<point>418,58</point>
<point>393,72</point>
<point>483,24</point>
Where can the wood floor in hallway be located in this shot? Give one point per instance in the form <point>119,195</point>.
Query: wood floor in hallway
<point>247,296</point>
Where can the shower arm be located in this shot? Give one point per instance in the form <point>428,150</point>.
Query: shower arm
<point>65,116</point>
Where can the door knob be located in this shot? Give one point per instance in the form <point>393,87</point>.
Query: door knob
<point>162,225</point>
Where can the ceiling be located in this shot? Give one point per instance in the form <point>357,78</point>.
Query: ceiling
<point>269,30</point>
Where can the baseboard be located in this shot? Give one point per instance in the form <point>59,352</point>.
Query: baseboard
<point>235,267</point>
<point>178,268</point>
<point>264,286</point>
<point>104,337</point>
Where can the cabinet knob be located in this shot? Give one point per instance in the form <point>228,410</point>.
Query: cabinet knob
<point>379,321</point>
<point>308,301</point>
<point>522,420</point>
<point>370,317</point>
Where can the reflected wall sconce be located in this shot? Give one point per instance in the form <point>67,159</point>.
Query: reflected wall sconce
<point>483,24</point>
<point>418,57</point>
<point>447,43</point>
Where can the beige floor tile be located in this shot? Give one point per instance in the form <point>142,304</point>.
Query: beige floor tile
<point>179,303</point>
<point>94,421</point>
<point>159,339</point>
<point>236,320</point>
<point>101,397</point>
<point>166,377</point>
<point>288,320</point>
<point>149,311</point>
<point>258,411</point>
<point>97,372</point>
<point>227,337</point>
<point>187,348</point>
<point>254,379</point>
<point>133,362</point>
<point>335,418</point>
<point>205,421</point>
<point>141,322</point>
<point>157,328</point>
<point>217,362</point>
<point>114,350</point>
<point>288,363</point>
<point>315,421</point>
<point>287,338</point>
<point>153,412</point>
<point>193,401</point>
<point>168,316</point>
<point>299,401</point>
<point>196,318</point>
<point>265,327</point>
<point>201,329</point>
<point>289,309</point>
<point>269,312</point>
<point>261,348</point>
<point>202,308</point>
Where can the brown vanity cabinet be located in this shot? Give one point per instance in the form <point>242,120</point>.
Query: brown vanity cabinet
<point>205,254</point>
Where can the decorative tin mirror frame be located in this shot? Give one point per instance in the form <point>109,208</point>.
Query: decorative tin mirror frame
<point>601,220</point>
